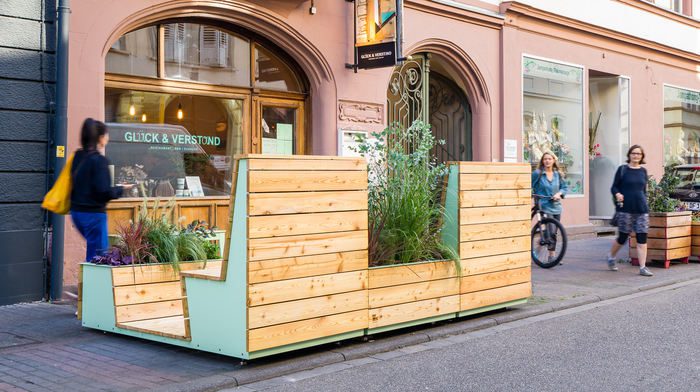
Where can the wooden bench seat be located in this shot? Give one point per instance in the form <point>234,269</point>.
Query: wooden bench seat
<point>173,327</point>
<point>214,270</point>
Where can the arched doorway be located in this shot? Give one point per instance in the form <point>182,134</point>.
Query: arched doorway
<point>440,102</point>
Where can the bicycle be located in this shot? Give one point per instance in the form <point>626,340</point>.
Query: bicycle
<point>548,235</point>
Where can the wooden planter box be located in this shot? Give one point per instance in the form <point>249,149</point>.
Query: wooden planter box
<point>669,238</point>
<point>297,274</point>
<point>409,294</point>
<point>695,239</point>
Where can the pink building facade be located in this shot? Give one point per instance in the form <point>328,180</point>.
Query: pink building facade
<point>514,79</point>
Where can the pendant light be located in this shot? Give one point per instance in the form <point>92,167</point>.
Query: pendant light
<point>132,108</point>
<point>143,117</point>
<point>180,114</point>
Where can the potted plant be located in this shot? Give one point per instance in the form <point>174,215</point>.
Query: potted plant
<point>669,235</point>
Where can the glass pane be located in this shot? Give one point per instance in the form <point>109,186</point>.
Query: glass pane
<point>135,54</point>
<point>170,143</point>
<point>273,73</point>
<point>681,126</point>
<point>278,130</point>
<point>206,54</point>
<point>553,117</point>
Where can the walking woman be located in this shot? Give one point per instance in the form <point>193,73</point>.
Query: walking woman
<point>92,187</point>
<point>548,181</point>
<point>630,191</point>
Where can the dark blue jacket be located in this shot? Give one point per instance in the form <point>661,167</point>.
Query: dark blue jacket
<point>91,182</point>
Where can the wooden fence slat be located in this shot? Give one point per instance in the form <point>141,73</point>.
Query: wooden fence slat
<point>411,273</point>
<point>307,164</point>
<point>504,197</point>
<point>299,267</point>
<point>154,292</point>
<point>306,202</point>
<point>494,247</point>
<point>285,312</point>
<point>483,231</point>
<point>296,181</point>
<point>306,245</point>
<point>315,286</point>
<point>298,224</point>
<point>394,295</point>
<point>411,311</point>
<point>481,265</point>
<point>150,310</point>
<point>493,280</point>
<point>299,331</point>
<point>471,216</point>
<point>493,167</point>
<point>480,299</point>
<point>475,182</point>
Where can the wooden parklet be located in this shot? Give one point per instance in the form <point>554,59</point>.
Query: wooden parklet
<point>695,239</point>
<point>296,274</point>
<point>669,238</point>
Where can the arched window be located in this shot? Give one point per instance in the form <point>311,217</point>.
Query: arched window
<point>182,98</point>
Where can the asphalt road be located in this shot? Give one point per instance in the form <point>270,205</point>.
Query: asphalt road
<point>644,342</point>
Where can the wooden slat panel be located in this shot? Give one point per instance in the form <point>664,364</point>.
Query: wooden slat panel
<point>695,228</point>
<point>299,331</point>
<point>669,221</point>
<point>299,267</point>
<point>494,167</point>
<point>394,295</point>
<point>307,164</point>
<point>490,297</point>
<point>695,251</point>
<point>147,311</point>
<point>494,279</point>
<point>671,243</point>
<point>413,311</point>
<point>154,273</point>
<point>669,232</point>
<point>295,181</point>
<point>174,327</point>
<point>285,312</point>
<point>471,216</point>
<point>315,286</point>
<point>695,240</point>
<point>493,230</point>
<point>305,202</point>
<point>412,273</point>
<point>192,213</point>
<point>298,224</point>
<point>118,216</point>
<point>661,254</point>
<point>509,197</point>
<point>136,294</point>
<point>481,265</point>
<point>222,217</point>
<point>494,247</point>
<point>476,182</point>
<point>306,245</point>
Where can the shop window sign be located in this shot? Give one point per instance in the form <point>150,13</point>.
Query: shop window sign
<point>681,126</point>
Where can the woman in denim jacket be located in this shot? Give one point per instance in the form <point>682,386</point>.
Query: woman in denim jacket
<point>547,180</point>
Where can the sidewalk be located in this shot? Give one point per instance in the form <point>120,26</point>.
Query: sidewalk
<point>44,348</point>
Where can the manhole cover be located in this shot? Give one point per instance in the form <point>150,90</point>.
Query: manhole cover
<point>11,340</point>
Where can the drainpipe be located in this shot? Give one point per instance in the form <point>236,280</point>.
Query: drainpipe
<point>60,137</point>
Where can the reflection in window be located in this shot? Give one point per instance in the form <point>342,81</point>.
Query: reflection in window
<point>553,116</point>
<point>273,73</point>
<point>278,125</point>
<point>205,54</point>
<point>168,144</point>
<point>681,126</point>
<point>134,53</point>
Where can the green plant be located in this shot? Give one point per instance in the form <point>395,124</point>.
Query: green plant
<point>190,247</point>
<point>404,196</point>
<point>133,244</point>
<point>212,250</point>
<point>659,194</point>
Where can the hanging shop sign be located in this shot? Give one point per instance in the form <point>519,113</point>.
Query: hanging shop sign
<point>377,33</point>
<point>550,70</point>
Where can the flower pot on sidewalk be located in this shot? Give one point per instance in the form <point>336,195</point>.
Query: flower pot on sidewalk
<point>669,238</point>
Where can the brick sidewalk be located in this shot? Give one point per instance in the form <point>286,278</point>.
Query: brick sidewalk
<point>44,348</point>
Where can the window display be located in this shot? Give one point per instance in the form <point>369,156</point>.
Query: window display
<point>553,116</point>
<point>681,126</point>
<point>172,145</point>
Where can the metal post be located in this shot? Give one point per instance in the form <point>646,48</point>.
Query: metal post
<point>425,101</point>
<point>59,140</point>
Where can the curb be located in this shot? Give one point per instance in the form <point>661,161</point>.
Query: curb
<point>314,358</point>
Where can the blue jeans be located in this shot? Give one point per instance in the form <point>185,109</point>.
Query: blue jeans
<point>93,227</point>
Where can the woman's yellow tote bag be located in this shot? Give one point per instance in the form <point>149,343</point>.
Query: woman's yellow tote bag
<point>58,198</point>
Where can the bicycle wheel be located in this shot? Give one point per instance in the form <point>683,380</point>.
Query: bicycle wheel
<point>548,237</point>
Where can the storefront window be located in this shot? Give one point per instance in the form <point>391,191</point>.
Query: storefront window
<point>171,144</point>
<point>681,126</point>
<point>553,117</point>
<point>135,53</point>
<point>205,54</point>
<point>273,73</point>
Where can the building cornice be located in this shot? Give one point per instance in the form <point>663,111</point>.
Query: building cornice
<point>458,11</point>
<point>513,9</point>
<point>668,14</point>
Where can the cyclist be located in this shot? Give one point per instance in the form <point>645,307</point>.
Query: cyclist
<point>630,191</point>
<point>548,180</point>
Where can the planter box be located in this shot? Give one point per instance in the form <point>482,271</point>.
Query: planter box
<point>695,239</point>
<point>669,238</point>
<point>407,294</point>
<point>297,275</point>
